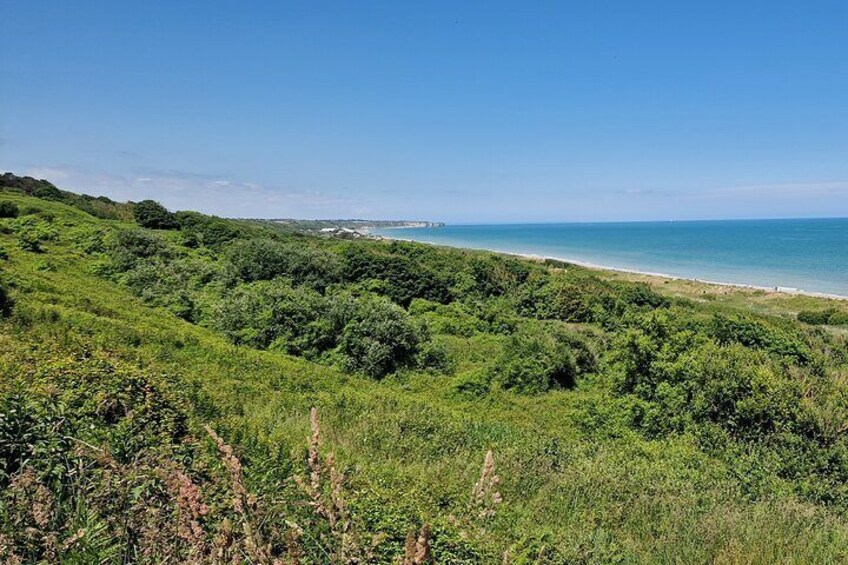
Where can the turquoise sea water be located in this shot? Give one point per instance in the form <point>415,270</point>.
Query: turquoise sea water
<point>809,255</point>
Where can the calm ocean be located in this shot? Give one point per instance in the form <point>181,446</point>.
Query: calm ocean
<point>809,255</point>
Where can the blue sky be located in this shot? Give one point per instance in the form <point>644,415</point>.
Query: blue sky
<point>458,111</point>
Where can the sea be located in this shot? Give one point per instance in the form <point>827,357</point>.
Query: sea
<point>806,255</point>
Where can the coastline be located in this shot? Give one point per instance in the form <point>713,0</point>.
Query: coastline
<point>789,291</point>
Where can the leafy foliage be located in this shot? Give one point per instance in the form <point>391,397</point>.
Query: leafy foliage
<point>830,316</point>
<point>151,214</point>
<point>273,314</point>
<point>402,277</point>
<point>264,259</point>
<point>540,357</point>
<point>8,209</point>
<point>378,337</point>
<point>200,230</point>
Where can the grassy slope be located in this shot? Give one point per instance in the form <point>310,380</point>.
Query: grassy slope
<point>572,479</point>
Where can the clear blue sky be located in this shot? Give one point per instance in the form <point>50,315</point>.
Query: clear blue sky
<point>459,111</point>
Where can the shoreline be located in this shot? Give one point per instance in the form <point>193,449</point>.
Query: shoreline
<point>596,267</point>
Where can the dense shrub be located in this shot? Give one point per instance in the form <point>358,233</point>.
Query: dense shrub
<point>405,277</point>
<point>166,284</point>
<point>39,188</point>
<point>583,298</point>
<point>264,259</point>
<point>830,316</point>
<point>642,295</point>
<point>758,334</point>
<point>379,338</point>
<point>98,206</point>
<point>498,315</point>
<point>151,214</point>
<point>33,232</point>
<point>372,335</point>
<point>738,390</point>
<point>733,388</point>
<point>494,275</point>
<point>816,317</point>
<point>89,240</point>
<point>8,209</point>
<point>452,319</point>
<point>47,191</point>
<point>540,357</point>
<point>200,230</point>
<point>838,319</point>
<point>435,357</point>
<point>129,247</point>
<point>269,313</point>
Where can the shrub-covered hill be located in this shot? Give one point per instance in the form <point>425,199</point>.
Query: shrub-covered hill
<point>157,387</point>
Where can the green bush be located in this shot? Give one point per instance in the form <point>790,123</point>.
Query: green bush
<point>571,298</point>
<point>640,294</point>
<point>169,285</point>
<point>451,319</point>
<point>816,317</point>
<point>200,230</point>
<point>435,357</point>
<point>8,209</point>
<point>129,247</point>
<point>264,259</point>
<point>372,335</point>
<point>151,214</point>
<point>379,338</point>
<point>758,334</point>
<point>838,319</point>
<point>494,275</point>
<point>405,278</point>
<point>47,191</point>
<point>33,232</point>
<point>272,313</point>
<point>540,357</point>
<point>830,316</point>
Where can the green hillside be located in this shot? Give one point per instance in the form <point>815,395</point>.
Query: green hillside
<point>157,388</point>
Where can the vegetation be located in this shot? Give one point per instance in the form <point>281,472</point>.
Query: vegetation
<point>8,209</point>
<point>830,316</point>
<point>158,389</point>
<point>98,206</point>
<point>151,214</point>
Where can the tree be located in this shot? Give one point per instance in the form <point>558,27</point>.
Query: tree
<point>151,214</point>
<point>380,339</point>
